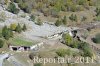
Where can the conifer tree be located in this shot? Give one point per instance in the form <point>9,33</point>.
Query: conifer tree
<point>64,20</point>
<point>18,28</point>
<point>6,33</point>
<point>24,28</point>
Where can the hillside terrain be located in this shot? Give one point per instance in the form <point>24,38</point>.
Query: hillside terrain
<point>50,29</point>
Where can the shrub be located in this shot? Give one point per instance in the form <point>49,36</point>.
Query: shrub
<point>73,8</point>
<point>54,13</point>
<point>91,3</point>
<point>86,49</point>
<point>67,39</point>
<point>24,7</point>
<point>39,22</point>
<point>96,39</point>
<point>2,16</point>
<point>61,52</point>
<point>75,44</point>
<point>32,18</point>
<point>1,43</point>
<point>13,26</point>
<point>81,2</point>
<point>83,18</point>
<point>12,8</point>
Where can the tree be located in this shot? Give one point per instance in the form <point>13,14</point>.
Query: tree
<point>10,32</point>
<point>24,28</point>
<point>18,28</point>
<point>4,31</point>
<point>64,20</point>
<point>7,33</point>
<point>58,22</point>
<point>12,8</point>
<point>1,43</point>
<point>73,18</point>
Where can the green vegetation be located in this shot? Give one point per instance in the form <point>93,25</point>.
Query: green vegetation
<point>63,52</point>
<point>21,42</point>
<point>97,11</point>
<point>12,8</point>
<point>96,39</point>
<point>83,18</point>
<point>74,43</point>
<point>73,18</point>
<point>97,18</point>
<point>1,43</point>
<point>58,22</point>
<point>2,17</point>
<point>53,7</point>
<point>7,33</point>
<point>13,26</point>
<point>24,7</point>
<point>32,18</point>
<point>18,28</point>
<point>38,64</point>
<point>39,22</point>
<point>67,39</point>
<point>24,28</point>
<point>62,21</point>
<point>86,49</point>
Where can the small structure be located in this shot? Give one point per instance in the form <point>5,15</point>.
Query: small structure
<point>26,48</point>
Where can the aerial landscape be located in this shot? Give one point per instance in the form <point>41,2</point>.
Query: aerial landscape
<point>49,32</point>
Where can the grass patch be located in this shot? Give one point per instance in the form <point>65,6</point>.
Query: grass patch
<point>22,42</point>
